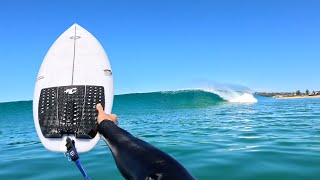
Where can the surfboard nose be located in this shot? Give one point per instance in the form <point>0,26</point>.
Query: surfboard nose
<point>74,27</point>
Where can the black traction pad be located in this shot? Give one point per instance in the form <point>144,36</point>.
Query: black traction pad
<point>70,110</point>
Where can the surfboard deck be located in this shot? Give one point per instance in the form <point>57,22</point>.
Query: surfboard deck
<point>75,75</point>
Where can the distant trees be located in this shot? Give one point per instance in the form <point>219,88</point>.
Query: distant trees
<point>289,94</point>
<point>298,93</point>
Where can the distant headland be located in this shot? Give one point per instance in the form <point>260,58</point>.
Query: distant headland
<point>291,95</point>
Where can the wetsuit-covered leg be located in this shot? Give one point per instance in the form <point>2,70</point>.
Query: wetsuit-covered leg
<point>136,159</point>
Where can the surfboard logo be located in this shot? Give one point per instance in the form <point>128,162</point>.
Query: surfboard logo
<point>71,91</point>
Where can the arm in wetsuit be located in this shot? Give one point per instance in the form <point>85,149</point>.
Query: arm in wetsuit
<point>136,159</point>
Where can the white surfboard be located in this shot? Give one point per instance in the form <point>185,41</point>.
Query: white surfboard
<point>74,76</point>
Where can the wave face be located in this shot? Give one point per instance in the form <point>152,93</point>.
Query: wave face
<point>189,98</point>
<point>168,99</point>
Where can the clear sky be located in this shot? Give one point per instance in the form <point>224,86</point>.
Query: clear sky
<point>152,45</point>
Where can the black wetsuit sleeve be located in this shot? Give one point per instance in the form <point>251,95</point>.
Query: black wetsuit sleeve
<point>136,159</point>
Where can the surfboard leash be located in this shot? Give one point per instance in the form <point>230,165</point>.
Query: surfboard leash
<point>73,155</point>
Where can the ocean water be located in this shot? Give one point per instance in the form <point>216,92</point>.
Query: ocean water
<point>212,137</point>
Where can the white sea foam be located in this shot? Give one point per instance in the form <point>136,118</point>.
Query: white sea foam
<point>233,96</point>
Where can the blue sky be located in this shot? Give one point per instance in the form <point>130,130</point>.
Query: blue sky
<point>152,45</point>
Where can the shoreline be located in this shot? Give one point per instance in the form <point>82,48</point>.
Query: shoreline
<point>297,97</point>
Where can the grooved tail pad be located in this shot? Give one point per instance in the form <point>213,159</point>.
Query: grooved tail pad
<point>70,110</point>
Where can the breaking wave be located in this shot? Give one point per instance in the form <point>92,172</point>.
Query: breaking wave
<point>186,98</point>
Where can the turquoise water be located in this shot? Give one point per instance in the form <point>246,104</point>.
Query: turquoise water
<point>212,138</point>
